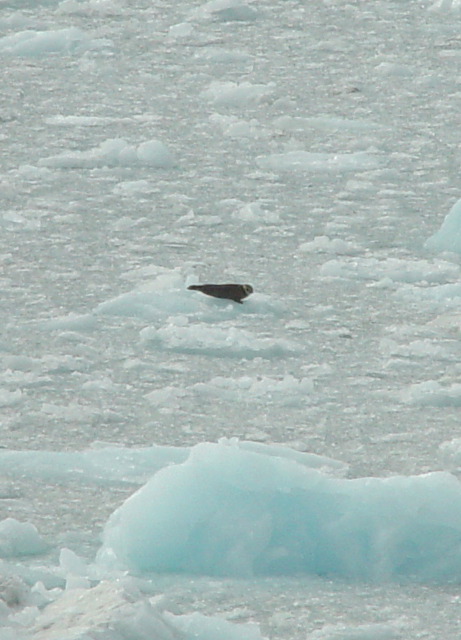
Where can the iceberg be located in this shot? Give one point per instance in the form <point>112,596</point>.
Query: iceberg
<point>235,511</point>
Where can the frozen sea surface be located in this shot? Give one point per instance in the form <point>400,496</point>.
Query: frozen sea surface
<point>310,149</point>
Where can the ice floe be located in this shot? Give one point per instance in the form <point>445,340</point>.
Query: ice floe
<point>395,269</point>
<point>376,631</point>
<point>112,153</point>
<point>200,338</point>
<point>19,539</point>
<point>286,391</point>
<point>432,393</point>
<point>68,41</point>
<point>325,123</point>
<point>450,452</point>
<point>105,463</point>
<point>90,7</point>
<point>233,94</point>
<point>446,5</point>
<point>325,244</point>
<point>225,11</point>
<point>164,296</point>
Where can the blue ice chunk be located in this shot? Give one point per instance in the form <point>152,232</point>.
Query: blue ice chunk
<point>227,511</point>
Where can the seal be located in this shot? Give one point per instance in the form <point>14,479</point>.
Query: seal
<point>235,292</point>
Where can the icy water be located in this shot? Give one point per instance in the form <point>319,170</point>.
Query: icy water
<point>307,148</point>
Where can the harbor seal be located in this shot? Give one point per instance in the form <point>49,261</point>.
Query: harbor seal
<point>235,292</point>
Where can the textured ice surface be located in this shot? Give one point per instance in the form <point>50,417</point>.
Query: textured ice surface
<point>112,611</point>
<point>227,511</point>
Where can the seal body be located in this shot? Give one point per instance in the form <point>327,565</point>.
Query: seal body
<point>235,292</point>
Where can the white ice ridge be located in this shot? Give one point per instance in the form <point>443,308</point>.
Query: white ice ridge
<point>233,510</point>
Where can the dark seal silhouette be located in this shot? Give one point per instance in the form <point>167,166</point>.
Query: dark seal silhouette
<point>233,292</point>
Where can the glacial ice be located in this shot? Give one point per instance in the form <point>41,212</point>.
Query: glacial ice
<point>448,237</point>
<point>230,511</point>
